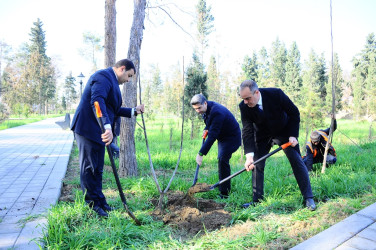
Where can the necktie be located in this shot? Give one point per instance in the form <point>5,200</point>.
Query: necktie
<point>259,113</point>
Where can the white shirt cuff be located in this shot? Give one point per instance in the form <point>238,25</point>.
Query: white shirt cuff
<point>250,154</point>
<point>132,112</point>
<point>107,126</point>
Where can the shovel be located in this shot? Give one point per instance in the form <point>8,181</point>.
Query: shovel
<point>198,166</point>
<point>206,188</point>
<point>110,155</point>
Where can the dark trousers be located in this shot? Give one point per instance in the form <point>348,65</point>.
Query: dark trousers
<point>91,156</point>
<point>309,160</point>
<point>225,151</point>
<point>298,167</point>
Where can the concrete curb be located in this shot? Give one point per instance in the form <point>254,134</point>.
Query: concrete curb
<point>357,231</point>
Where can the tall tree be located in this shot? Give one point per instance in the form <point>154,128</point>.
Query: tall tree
<point>293,80</point>
<point>157,87</point>
<point>263,71</point>
<point>364,87</point>
<point>311,104</point>
<point>338,83</point>
<point>127,160</point>
<point>93,45</point>
<point>12,87</point>
<point>40,74</point>
<point>213,82</point>
<point>250,67</point>
<point>174,91</point>
<point>4,51</point>
<point>278,56</point>
<point>196,84</point>
<point>70,93</point>
<point>205,25</point>
<point>110,33</point>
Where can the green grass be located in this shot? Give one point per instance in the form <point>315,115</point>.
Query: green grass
<point>280,221</point>
<point>17,121</point>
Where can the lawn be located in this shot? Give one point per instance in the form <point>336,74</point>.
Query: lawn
<point>15,121</point>
<point>280,221</point>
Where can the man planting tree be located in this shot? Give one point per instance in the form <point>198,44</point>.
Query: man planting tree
<point>269,117</point>
<point>222,126</point>
<point>103,87</point>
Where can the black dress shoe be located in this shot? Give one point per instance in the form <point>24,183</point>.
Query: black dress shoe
<point>100,211</point>
<point>249,204</point>
<point>310,204</point>
<point>107,208</point>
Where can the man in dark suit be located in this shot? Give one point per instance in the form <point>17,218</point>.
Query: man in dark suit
<point>103,87</point>
<point>270,117</point>
<point>223,127</point>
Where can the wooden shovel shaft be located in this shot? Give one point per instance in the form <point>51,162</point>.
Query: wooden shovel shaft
<point>198,166</point>
<point>255,162</point>
<point>110,155</point>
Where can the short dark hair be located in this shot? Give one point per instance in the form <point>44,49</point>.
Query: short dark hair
<point>252,85</point>
<point>127,63</point>
<point>198,99</point>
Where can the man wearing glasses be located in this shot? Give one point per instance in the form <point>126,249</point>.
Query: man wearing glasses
<point>269,117</point>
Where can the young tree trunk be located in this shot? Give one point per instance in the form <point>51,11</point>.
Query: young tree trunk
<point>127,160</point>
<point>192,128</point>
<point>370,130</point>
<point>110,33</point>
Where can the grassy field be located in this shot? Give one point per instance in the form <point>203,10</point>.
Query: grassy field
<point>280,221</point>
<point>14,121</point>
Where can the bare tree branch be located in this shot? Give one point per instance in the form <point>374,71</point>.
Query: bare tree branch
<point>169,15</point>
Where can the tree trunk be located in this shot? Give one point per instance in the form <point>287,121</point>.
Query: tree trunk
<point>370,130</point>
<point>127,160</point>
<point>110,33</point>
<point>192,128</point>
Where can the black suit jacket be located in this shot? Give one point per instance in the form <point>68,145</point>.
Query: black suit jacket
<point>221,125</point>
<point>281,119</point>
<point>104,88</point>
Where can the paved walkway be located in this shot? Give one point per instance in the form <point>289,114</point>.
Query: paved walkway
<point>33,162</point>
<point>357,231</point>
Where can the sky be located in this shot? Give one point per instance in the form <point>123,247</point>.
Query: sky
<point>241,27</point>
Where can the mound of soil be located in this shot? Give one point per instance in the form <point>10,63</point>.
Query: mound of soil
<point>191,215</point>
<point>199,187</point>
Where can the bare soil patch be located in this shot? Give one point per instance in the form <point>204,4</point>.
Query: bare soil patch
<point>191,215</point>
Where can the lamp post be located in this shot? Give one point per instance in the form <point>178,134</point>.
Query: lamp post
<point>81,76</point>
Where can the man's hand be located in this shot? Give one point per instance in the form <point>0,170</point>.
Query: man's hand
<point>293,141</point>
<point>107,137</point>
<point>248,163</point>
<point>199,159</point>
<point>140,109</point>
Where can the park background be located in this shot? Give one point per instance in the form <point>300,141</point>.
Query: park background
<point>279,44</point>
